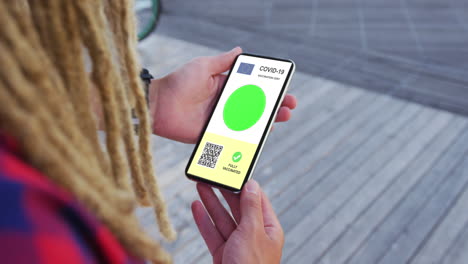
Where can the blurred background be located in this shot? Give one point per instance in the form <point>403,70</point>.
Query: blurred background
<point>425,41</point>
<point>373,167</point>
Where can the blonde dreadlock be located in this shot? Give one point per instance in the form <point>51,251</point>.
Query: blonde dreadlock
<point>45,94</point>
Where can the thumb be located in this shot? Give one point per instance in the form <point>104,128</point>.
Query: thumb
<point>223,62</point>
<point>251,206</point>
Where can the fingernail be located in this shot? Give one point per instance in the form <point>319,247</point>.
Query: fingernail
<point>233,49</point>
<point>252,187</point>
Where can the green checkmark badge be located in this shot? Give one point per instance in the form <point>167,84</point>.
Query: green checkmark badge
<point>237,157</point>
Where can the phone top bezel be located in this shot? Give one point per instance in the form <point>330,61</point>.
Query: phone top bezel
<point>264,135</point>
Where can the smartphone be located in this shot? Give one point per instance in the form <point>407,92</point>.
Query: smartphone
<point>232,140</point>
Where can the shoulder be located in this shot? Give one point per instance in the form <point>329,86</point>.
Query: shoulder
<point>31,226</point>
<point>42,223</point>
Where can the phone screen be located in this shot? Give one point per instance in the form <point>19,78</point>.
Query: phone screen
<point>230,145</point>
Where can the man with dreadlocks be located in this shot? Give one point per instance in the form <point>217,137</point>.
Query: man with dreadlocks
<point>67,66</point>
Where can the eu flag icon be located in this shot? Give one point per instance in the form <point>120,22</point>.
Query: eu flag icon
<point>245,68</point>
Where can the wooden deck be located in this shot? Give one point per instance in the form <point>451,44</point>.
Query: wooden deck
<point>355,176</point>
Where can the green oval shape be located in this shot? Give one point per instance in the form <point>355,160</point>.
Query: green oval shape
<point>244,107</point>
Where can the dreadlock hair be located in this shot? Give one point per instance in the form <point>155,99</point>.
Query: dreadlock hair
<point>57,57</point>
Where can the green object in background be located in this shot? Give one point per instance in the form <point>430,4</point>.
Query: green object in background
<point>150,25</point>
<point>244,107</point>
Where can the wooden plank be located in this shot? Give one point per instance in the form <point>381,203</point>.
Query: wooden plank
<point>227,36</point>
<point>427,221</point>
<point>306,155</point>
<point>450,219</point>
<point>161,54</point>
<point>188,253</point>
<point>313,96</point>
<point>329,205</point>
<point>333,106</point>
<point>297,83</point>
<point>367,190</point>
<point>382,208</point>
<point>457,252</point>
<point>384,236</point>
<point>309,192</point>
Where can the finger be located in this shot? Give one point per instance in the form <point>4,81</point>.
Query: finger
<point>289,101</point>
<point>220,81</point>
<point>270,220</point>
<point>210,234</point>
<point>233,201</point>
<point>284,114</point>
<point>221,217</point>
<point>223,62</point>
<point>251,206</point>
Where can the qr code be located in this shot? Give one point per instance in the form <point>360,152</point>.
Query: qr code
<point>210,155</point>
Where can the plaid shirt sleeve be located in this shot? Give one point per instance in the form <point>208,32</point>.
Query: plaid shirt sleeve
<point>41,223</point>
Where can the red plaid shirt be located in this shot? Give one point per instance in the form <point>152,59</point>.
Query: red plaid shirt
<point>42,223</point>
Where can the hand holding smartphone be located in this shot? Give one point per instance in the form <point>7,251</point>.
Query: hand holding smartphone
<point>232,140</point>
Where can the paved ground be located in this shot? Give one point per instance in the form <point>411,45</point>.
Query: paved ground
<point>355,177</point>
<point>411,49</point>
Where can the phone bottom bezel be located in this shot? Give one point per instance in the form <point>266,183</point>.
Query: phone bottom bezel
<point>212,183</point>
